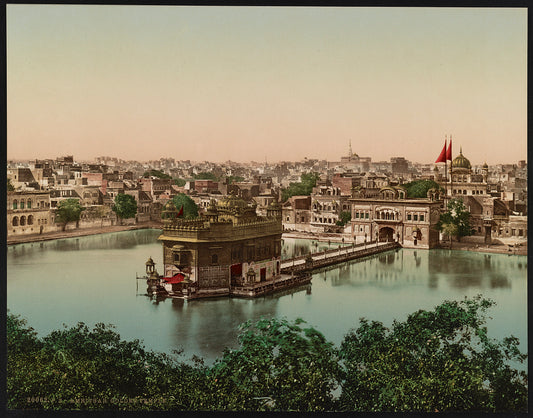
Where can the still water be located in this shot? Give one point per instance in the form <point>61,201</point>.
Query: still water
<point>92,279</point>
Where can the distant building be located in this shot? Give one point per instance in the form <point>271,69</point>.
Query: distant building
<point>297,213</point>
<point>354,162</point>
<point>399,165</point>
<point>28,213</point>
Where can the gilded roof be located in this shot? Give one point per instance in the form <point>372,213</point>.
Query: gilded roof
<point>232,201</point>
<point>461,161</point>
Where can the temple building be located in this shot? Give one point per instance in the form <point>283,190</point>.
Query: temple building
<point>464,181</point>
<point>490,215</point>
<point>389,216</point>
<point>228,247</point>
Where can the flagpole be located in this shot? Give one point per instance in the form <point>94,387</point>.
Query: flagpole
<point>451,181</point>
<point>445,173</point>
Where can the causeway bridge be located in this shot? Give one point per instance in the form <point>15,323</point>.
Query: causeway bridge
<point>338,255</point>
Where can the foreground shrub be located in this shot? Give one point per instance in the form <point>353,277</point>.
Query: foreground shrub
<point>439,360</point>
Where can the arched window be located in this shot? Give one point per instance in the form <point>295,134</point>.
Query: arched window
<point>15,204</point>
<point>22,204</point>
<point>29,204</point>
<point>22,219</point>
<point>15,221</point>
<point>30,220</point>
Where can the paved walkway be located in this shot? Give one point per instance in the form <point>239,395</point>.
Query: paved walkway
<point>343,253</point>
<point>80,232</point>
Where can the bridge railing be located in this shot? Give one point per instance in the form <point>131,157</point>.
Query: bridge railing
<point>341,247</point>
<point>339,258</point>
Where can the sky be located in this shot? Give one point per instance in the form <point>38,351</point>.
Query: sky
<point>265,83</point>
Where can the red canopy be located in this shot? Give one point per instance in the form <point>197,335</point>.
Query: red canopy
<point>174,279</point>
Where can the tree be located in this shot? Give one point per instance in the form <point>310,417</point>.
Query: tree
<point>279,365</point>
<point>125,206</point>
<point>156,173</point>
<point>457,215</point>
<point>180,182</point>
<point>68,210</point>
<point>234,179</point>
<point>72,365</point>
<point>344,218</point>
<point>440,360</point>
<point>419,188</point>
<point>205,176</point>
<point>190,209</point>
<point>450,230</point>
<point>303,188</point>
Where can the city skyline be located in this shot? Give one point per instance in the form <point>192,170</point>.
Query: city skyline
<point>265,83</point>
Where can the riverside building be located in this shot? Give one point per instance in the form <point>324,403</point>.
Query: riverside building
<point>389,216</point>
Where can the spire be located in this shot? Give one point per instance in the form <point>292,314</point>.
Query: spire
<point>350,149</point>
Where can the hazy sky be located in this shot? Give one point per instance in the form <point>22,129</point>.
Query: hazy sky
<point>256,83</point>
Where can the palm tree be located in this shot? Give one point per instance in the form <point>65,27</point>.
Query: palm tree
<point>450,230</point>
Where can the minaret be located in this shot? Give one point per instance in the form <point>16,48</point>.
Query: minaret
<point>350,150</point>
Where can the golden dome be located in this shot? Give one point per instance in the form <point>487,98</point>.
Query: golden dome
<point>461,161</point>
<point>232,202</point>
<point>170,206</point>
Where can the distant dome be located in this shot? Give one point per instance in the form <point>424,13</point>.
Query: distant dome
<point>170,206</point>
<point>461,161</point>
<point>485,165</point>
<point>232,202</point>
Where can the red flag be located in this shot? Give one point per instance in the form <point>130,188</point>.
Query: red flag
<point>449,150</point>
<point>442,156</point>
<point>180,212</point>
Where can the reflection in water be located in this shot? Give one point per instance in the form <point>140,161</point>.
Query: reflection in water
<point>62,281</point>
<point>469,269</point>
<point>117,240</point>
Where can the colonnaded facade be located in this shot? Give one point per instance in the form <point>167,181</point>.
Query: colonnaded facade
<point>28,212</point>
<point>230,245</point>
<point>392,217</point>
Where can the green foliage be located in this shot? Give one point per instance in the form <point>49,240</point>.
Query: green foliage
<point>303,188</point>
<point>439,360</point>
<point>125,206</point>
<point>68,210</point>
<point>457,215</point>
<point>450,230</point>
<point>344,218</point>
<point>279,366</point>
<point>234,179</point>
<point>190,209</point>
<point>419,188</point>
<point>205,176</point>
<point>10,187</point>
<point>75,364</point>
<point>156,173</point>
<point>180,182</point>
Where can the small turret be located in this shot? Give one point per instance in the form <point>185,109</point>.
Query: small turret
<point>169,212</point>
<point>150,267</point>
<point>274,209</point>
<point>212,211</point>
